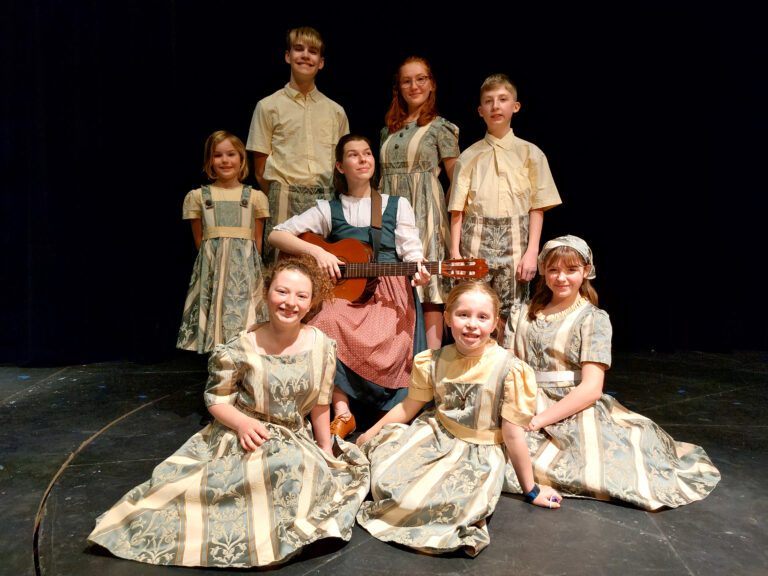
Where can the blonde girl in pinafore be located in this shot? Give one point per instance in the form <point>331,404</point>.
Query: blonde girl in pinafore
<point>225,292</point>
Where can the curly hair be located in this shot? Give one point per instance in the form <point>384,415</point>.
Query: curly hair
<point>322,285</point>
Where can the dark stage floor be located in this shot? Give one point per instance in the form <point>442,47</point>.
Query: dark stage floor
<point>74,439</point>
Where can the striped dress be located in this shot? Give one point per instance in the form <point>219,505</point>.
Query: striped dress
<point>410,165</point>
<point>606,451</point>
<point>435,483</point>
<point>213,504</point>
<point>226,290</point>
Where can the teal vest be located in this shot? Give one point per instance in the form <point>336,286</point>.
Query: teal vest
<point>341,229</point>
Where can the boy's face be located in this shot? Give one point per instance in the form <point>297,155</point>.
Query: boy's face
<point>305,60</point>
<point>497,107</point>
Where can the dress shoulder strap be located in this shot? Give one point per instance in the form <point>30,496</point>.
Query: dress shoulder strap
<point>375,223</point>
<point>245,195</point>
<point>205,190</point>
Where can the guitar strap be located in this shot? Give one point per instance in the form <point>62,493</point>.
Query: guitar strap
<point>375,223</point>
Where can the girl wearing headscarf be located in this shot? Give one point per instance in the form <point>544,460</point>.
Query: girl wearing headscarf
<point>583,442</point>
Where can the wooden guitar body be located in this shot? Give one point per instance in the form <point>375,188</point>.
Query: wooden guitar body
<point>360,274</point>
<point>348,250</point>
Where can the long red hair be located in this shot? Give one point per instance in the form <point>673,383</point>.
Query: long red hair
<point>398,108</point>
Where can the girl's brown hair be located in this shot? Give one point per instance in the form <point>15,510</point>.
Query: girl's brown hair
<point>339,180</point>
<point>543,295</point>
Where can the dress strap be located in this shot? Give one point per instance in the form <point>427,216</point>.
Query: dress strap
<point>375,223</point>
<point>245,196</point>
<point>205,190</point>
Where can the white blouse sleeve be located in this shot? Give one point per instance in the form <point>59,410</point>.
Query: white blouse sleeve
<point>407,241</point>
<point>316,219</point>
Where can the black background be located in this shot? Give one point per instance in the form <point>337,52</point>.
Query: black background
<point>653,121</point>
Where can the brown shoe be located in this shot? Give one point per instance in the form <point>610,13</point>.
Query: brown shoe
<point>343,428</point>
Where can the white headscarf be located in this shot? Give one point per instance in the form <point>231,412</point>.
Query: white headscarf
<point>572,242</point>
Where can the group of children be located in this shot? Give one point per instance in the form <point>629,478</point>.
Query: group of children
<point>513,404</point>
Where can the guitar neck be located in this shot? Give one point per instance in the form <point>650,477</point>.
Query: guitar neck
<point>375,269</point>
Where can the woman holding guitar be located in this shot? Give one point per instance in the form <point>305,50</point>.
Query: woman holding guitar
<point>376,337</point>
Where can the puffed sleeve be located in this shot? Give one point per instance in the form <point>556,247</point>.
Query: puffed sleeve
<point>447,139</point>
<point>407,240</point>
<point>519,404</point>
<point>193,205</point>
<point>260,204</point>
<point>421,387</point>
<point>327,368</point>
<point>224,373</point>
<point>596,334</point>
<point>383,135</point>
<point>316,219</point>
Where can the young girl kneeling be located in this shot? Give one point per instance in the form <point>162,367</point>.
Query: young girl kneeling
<point>435,483</point>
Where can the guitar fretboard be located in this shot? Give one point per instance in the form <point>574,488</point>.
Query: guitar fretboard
<point>374,269</point>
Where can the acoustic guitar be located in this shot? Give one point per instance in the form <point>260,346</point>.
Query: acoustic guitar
<point>360,275</point>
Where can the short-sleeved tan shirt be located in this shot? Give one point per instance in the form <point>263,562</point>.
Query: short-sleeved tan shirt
<point>299,134</point>
<point>502,177</point>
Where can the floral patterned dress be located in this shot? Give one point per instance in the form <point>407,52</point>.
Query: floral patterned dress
<point>213,504</point>
<point>226,290</point>
<point>410,166</point>
<point>434,483</point>
<point>605,451</point>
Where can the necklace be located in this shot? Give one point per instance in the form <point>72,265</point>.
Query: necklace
<point>580,301</point>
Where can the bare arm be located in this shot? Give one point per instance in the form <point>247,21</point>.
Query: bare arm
<point>582,396</point>
<point>251,432</point>
<point>321,426</point>
<point>402,413</point>
<point>259,162</point>
<point>287,242</point>
<point>456,220</point>
<point>197,231</point>
<point>517,451</point>
<point>526,268</point>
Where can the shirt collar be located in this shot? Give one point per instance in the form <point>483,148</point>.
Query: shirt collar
<point>294,94</point>
<point>507,142</point>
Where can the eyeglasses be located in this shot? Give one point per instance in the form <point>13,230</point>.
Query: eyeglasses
<point>420,81</point>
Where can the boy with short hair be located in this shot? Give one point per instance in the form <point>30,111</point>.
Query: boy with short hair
<point>293,135</point>
<point>500,189</point>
